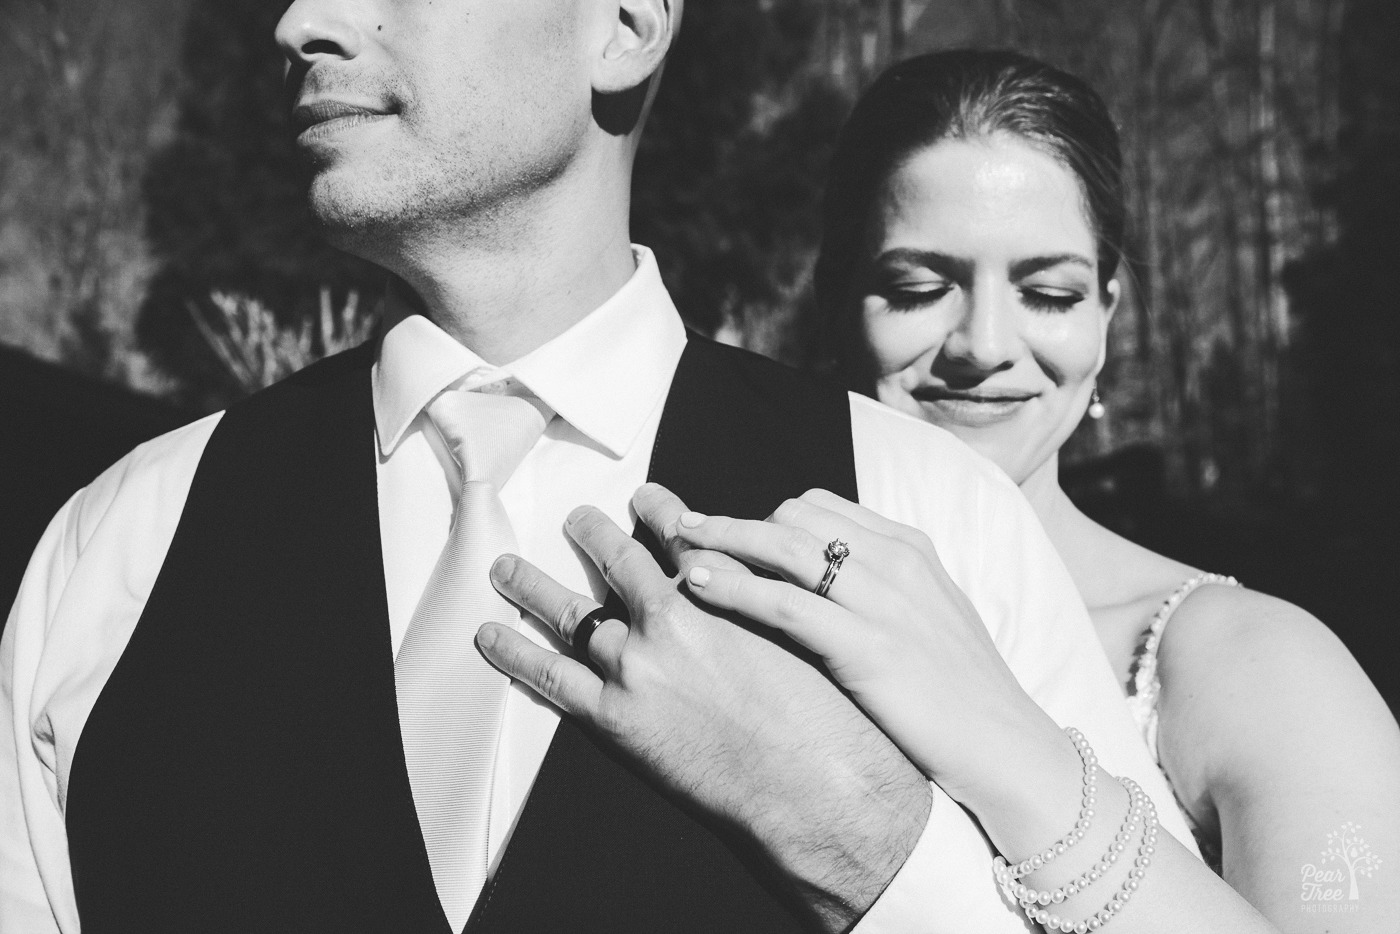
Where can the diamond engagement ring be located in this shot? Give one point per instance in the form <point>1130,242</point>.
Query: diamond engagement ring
<point>837,551</point>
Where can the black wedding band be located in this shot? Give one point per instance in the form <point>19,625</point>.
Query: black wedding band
<point>583,632</point>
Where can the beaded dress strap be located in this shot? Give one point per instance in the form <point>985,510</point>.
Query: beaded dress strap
<point>1144,682</point>
<point>1145,686</point>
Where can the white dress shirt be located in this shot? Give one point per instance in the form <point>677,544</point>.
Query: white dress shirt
<point>607,379</point>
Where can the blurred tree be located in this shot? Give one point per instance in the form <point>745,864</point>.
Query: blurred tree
<point>226,201</point>
<point>729,173</point>
<point>1351,331</point>
<point>86,87</point>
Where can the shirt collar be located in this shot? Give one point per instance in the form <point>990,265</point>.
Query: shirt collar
<point>604,376</point>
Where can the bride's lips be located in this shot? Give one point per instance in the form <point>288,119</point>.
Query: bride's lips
<point>971,407</point>
<point>318,119</point>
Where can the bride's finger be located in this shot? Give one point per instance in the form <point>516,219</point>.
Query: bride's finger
<point>661,509</point>
<point>869,519</point>
<point>797,552</point>
<point>813,622</point>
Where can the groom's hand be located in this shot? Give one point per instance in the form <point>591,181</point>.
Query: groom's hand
<point>747,731</point>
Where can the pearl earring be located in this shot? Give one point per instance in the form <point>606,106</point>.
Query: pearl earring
<point>1096,406</point>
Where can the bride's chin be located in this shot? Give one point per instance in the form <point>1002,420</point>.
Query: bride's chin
<point>985,440</point>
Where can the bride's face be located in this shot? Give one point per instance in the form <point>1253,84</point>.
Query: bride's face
<point>983,312</point>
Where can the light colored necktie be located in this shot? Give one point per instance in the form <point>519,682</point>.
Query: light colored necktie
<point>451,702</point>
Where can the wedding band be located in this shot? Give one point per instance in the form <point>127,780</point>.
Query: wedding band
<point>583,632</point>
<point>837,551</point>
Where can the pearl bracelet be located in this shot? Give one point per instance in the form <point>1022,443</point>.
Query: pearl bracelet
<point>1081,826</point>
<point>1053,922</point>
<point>1139,870</point>
<point>1035,902</point>
<point>1031,897</point>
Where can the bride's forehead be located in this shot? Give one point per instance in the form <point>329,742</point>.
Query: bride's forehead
<point>965,191</point>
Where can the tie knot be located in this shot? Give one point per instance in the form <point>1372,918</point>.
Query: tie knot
<point>489,430</point>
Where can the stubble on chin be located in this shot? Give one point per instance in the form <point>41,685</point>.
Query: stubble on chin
<point>367,210</point>
<point>394,210</point>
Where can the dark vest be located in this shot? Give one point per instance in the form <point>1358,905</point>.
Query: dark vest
<point>242,770</point>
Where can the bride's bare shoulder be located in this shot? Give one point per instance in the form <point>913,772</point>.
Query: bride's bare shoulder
<point>1251,682</point>
<point>1223,633</point>
<point>1268,727</point>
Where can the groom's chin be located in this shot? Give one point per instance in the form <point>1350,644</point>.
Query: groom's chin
<point>350,217</point>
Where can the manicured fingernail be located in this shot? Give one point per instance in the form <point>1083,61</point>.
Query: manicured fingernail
<point>486,637</point>
<point>503,568</point>
<point>576,515</point>
<point>698,576</point>
<point>691,519</point>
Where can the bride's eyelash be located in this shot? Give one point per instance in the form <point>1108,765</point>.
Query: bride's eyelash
<point>905,299</point>
<point>1045,301</point>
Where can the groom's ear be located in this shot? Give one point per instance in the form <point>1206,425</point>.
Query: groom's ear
<point>637,45</point>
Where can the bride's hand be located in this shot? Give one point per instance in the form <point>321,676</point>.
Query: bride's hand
<point>893,629</point>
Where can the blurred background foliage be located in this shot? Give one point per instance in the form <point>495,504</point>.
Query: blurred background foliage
<point>148,184</point>
<point>146,165</point>
<point>226,208</point>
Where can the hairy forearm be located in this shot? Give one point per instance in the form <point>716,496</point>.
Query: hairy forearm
<point>840,849</point>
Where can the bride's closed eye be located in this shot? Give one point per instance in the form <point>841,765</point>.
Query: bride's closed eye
<point>903,299</point>
<point>1046,298</point>
<point>909,292</point>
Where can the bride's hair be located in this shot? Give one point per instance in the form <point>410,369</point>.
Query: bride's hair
<point>959,94</point>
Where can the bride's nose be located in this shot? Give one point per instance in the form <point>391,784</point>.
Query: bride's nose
<point>985,338</point>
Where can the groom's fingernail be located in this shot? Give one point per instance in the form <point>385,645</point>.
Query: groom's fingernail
<point>698,576</point>
<point>503,568</point>
<point>691,519</point>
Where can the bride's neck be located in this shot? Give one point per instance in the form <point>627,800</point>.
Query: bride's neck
<point>1073,534</point>
<point>1042,489</point>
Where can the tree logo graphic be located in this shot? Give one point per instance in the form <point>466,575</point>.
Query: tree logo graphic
<point>1335,889</point>
<point>1345,846</point>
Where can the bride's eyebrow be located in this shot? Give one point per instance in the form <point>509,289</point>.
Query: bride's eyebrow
<point>942,263</point>
<point>1034,264</point>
